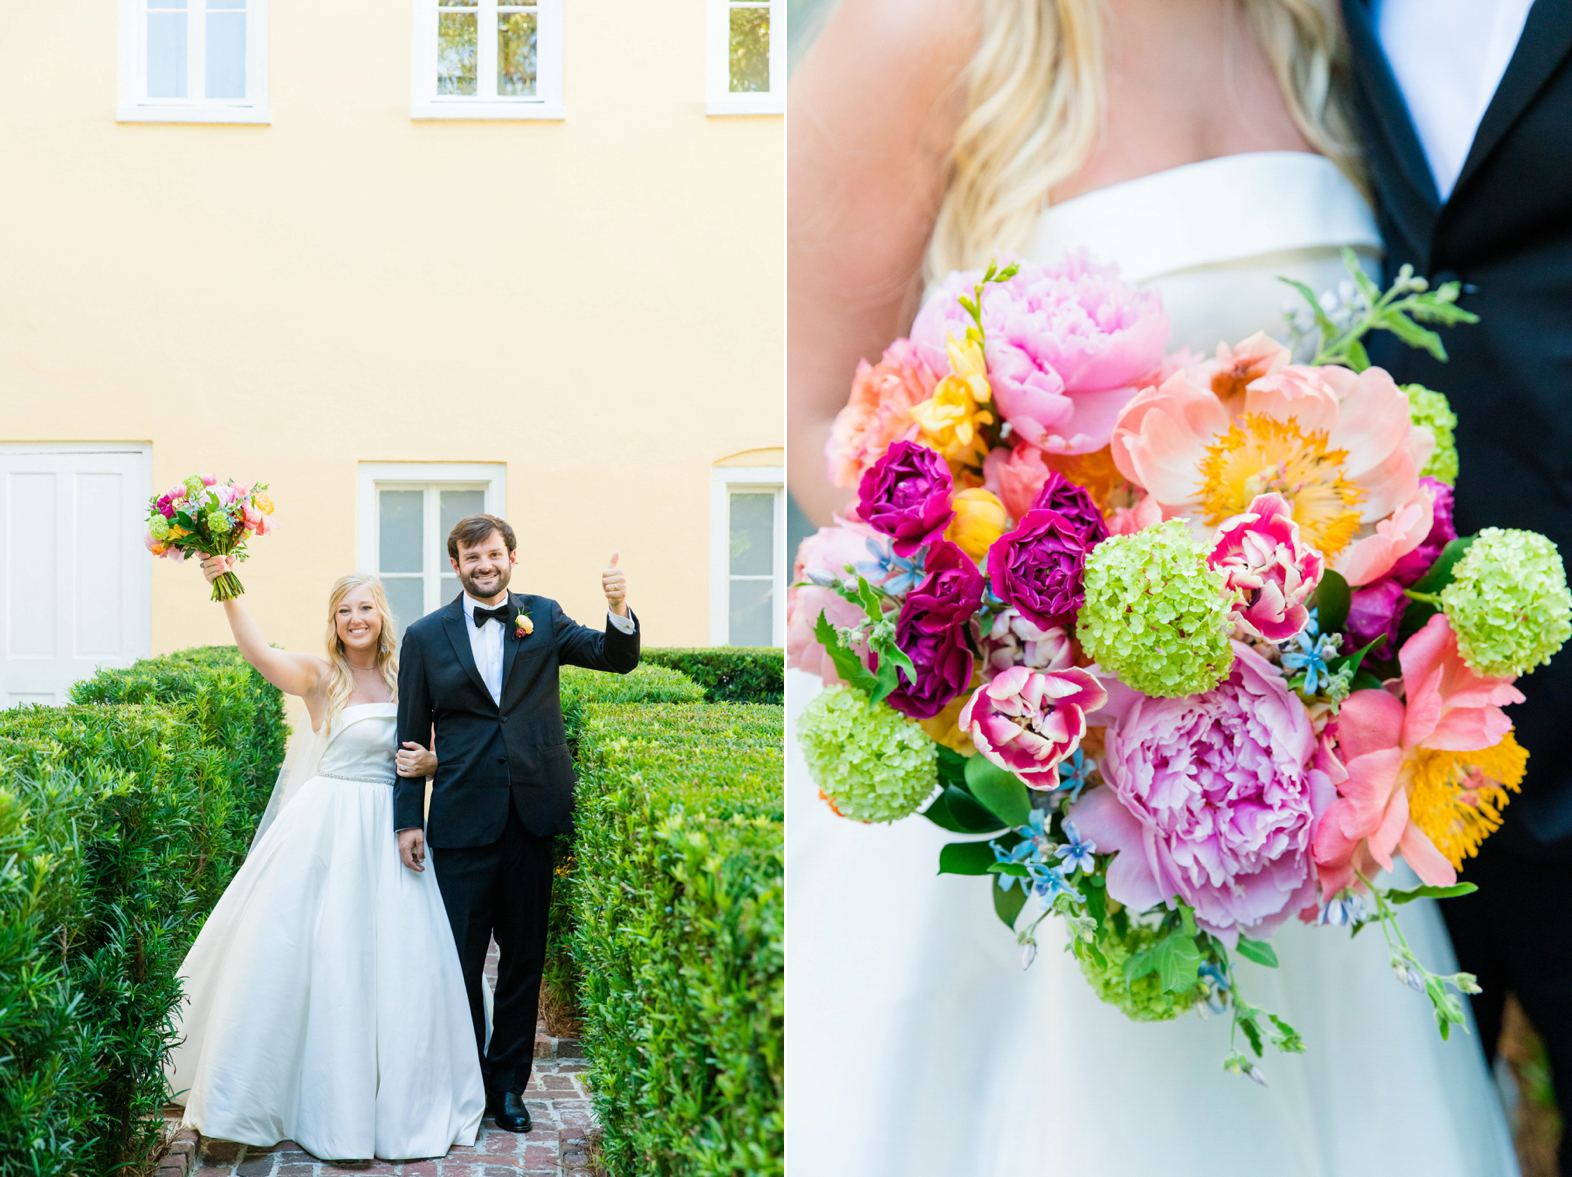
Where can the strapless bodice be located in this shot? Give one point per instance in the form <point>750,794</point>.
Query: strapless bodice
<point>1214,237</point>
<point>362,744</point>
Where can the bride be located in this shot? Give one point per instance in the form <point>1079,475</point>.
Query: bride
<point>1200,145</point>
<point>324,1002</point>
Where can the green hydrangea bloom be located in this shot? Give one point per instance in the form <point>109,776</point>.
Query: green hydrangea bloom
<point>1430,410</point>
<point>1508,602</point>
<point>1155,614</point>
<point>196,490</point>
<point>158,528</point>
<point>1142,999</point>
<point>871,763</point>
<point>218,524</point>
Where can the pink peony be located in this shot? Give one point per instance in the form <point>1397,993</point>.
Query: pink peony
<point>1337,446</point>
<point>1449,708</point>
<point>825,554</point>
<point>1263,559</point>
<point>1026,721</point>
<point>879,410</point>
<point>255,520</point>
<point>1014,641</point>
<point>1065,346</point>
<point>1211,799</point>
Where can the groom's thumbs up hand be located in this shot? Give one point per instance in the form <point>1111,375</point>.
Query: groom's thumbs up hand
<point>615,585</point>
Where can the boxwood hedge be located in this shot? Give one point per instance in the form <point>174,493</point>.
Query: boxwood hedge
<point>120,825</point>
<point>729,674</point>
<point>677,935</point>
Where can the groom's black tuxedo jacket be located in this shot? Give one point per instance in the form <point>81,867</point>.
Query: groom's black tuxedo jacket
<point>489,755</point>
<point>1506,233</point>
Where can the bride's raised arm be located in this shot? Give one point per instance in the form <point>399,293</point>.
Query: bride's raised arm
<point>873,112</point>
<point>294,674</point>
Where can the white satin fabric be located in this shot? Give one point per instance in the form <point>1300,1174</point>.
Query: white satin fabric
<point>324,1001</point>
<point>916,1044</point>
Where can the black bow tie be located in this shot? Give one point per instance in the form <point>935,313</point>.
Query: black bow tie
<point>481,616</point>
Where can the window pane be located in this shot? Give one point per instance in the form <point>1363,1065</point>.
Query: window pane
<point>448,588</point>
<point>752,535</point>
<point>399,519</point>
<point>406,597</point>
<point>750,50</point>
<point>226,54</point>
<point>166,55</point>
<point>453,506</point>
<point>750,613</point>
<point>456,66</point>
<point>224,5</point>
<point>516,53</point>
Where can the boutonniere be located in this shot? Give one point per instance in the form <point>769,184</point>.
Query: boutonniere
<point>523,626</point>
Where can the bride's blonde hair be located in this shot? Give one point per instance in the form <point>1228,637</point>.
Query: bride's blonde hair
<point>1035,102</point>
<point>342,684</point>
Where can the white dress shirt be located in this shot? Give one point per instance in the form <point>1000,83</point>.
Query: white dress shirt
<point>1448,57</point>
<point>485,642</point>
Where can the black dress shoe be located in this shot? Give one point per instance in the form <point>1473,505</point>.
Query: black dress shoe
<point>512,1116</point>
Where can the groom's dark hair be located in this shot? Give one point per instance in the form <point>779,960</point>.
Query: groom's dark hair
<point>473,529</point>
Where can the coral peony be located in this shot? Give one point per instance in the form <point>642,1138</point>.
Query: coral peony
<point>1338,447</point>
<point>906,495</point>
<point>1039,567</point>
<point>1263,560</point>
<point>1026,721</point>
<point>878,412</point>
<point>1414,784</point>
<point>1211,800</point>
<point>1065,345</point>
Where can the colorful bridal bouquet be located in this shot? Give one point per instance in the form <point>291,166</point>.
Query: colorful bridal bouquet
<point>209,518</point>
<point>1187,647</point>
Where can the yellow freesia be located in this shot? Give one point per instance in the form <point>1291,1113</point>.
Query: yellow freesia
<point>952,419</point>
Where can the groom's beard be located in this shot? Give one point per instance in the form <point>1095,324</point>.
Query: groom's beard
<point>487,587</point>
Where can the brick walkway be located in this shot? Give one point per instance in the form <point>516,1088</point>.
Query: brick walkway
<point>558,1104</point>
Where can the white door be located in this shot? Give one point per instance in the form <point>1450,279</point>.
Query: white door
<point>75,578</point>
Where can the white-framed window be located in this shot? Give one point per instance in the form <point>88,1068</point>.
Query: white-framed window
<point>487,59</point>
<point>406,510</point>
<point>746,57</point>
<point>193,61</point>
<point>747,556</point>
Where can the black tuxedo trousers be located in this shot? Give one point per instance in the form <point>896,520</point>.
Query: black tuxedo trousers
<point>1505,232</point>
<point>503,790</point>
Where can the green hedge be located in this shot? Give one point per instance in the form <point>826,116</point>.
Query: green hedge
<point>678,935</point>
<point>120,825</point>
<point>729,674</point>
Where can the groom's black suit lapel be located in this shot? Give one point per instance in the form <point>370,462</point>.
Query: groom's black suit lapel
<point>510,640</point>
<point>456,625</point>
<point>1419,199</point>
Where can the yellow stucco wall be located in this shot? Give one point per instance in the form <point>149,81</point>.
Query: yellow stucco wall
<point>596,302</point>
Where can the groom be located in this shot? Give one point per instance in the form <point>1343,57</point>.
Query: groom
<point>482,671</point>
<point>1466,107</point>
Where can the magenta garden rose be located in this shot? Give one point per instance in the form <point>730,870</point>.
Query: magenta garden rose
<point>1058,493</point>
<point>1065,345</point>
<point>1040,567</point>
<point>1211,800</point>
<point>932,632</point>
<point>906,495</point>
<point>1265,560</point>
<point>1027,721</point>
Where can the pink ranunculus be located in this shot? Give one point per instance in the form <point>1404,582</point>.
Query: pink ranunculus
<point>209,479</point>
<point>1446,707</point>
<point>1026,721</point>
<point>1012,640</point>
<point>1015,476</point>
<point>1264,560</point>
<point>1065,345</point>
<point>825,554</point>
<point>1211,799</point>
<point>1338,446</point>
<point>878,412</point>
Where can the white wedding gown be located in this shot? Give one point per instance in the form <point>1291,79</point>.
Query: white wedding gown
<point>916,1044</point>
<point>324,1001</point>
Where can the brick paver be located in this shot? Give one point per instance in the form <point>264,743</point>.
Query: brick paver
<point>558,1104</point>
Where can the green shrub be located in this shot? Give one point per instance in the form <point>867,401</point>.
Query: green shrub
<point>729,674</point>
<point>120,825</point>
<point>678,936</point>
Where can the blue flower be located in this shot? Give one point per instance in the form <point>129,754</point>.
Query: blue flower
<point>1051,883</point>
<point>898,576</point>
<point>1021,852</point>
<point>1076,854</point>
<point>1308,652</point>
<point>1074,772</point>
<point>1341,910</point>
<point>1217,987</point>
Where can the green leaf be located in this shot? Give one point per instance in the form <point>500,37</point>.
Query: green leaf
<point>1002,792</point>
<point>1251,1033</point>
<point>1007,904</point>
<point>1328,328</point>
<point>1139,964</point>
<point>1428,892</point>
<point>1363,680</point>
<point>957,811</point>
<point>1370,291</point>
<point>1354,660</point>
<point>1178,962</point>
<point>1412,333</point>
<point>1332,599</point>
<point>1358,358</point>
<point>1096,900</point>
<point>952,766</point>
<point>1259,951</point>
<point>847,664</point>
<point>966,858</point>
<point>1016,870</point>
<point>1440,574</point>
